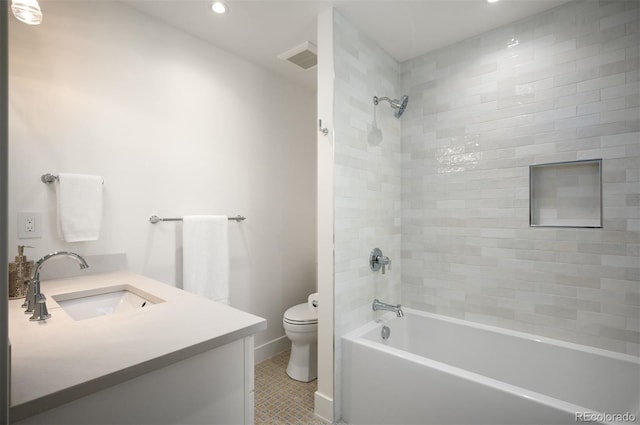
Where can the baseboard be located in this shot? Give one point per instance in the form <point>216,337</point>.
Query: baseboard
<point>323,407</point>
<point>271,348</point>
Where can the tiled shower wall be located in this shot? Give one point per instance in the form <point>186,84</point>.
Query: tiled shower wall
<point>560,86</point>
<point>367,169</point>
<point>367,179</point>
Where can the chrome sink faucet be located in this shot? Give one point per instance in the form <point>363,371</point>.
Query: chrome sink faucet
<point>378,305</point>
<point>35,301</point>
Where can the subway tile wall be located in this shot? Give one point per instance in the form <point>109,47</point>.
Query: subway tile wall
<point>560,86</point>
<point>367,180</point>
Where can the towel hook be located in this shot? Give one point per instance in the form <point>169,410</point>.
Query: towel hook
<point>324,131</point>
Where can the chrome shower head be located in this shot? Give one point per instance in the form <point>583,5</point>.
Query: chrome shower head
<point>398,105</point>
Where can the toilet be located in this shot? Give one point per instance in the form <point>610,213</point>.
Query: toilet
<point>301,327</point>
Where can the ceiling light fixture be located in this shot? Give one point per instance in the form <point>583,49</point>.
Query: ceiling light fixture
<point>27,11</point>
<point>492,1</point>
<point>219,7</point>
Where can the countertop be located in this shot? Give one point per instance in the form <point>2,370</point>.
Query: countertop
<point>60,359</point>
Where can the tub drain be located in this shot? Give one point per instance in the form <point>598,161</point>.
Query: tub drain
<point>385,332</point>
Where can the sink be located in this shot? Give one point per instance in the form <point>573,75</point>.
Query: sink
<point>81,305</point>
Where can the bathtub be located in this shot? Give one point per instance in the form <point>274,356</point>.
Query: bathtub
<point>438,370</point>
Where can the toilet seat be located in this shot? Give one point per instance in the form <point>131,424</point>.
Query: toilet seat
<point>300,314</point>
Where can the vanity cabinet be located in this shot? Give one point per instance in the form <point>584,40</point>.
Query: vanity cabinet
<point>186,360</point>
<point>208,388</point>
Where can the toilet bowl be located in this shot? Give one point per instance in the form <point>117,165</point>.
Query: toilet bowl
<point>301,327</point>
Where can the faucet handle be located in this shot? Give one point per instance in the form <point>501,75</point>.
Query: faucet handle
<point>40,311</point>
<point>385,261</point>
<point>378,261</point>
<point>28,297</point>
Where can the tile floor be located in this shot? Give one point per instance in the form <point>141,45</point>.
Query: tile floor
<point>280,400</point>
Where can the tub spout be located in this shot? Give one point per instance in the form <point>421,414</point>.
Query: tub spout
<point>378,305</point>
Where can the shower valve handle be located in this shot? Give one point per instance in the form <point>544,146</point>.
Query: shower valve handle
<point>378,261</point>
<point>385,261</point>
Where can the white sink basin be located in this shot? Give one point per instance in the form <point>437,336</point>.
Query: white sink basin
<point>90,303</point>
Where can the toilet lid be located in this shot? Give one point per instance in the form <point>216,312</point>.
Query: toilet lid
<point>301,313</point>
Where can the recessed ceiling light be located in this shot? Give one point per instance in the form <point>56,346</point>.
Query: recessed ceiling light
<point>219,7</point>
<point>492,1</point>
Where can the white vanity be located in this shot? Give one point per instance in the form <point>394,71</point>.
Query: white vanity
<point>167,357</point>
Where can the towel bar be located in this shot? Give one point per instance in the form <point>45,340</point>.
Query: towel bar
<point>50,178</point>
<point>155,219</point>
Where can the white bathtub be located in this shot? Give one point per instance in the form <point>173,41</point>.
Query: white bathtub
<point>439,370</point>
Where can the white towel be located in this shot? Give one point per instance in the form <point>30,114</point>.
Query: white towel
<point>205,256</point>
<point>79,207</point>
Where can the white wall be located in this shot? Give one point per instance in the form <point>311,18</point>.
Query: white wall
<point>176,127</point>
<point>559,86</point>
<point>324,396</point>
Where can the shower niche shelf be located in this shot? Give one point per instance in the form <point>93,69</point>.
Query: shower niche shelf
<point>566,194</point>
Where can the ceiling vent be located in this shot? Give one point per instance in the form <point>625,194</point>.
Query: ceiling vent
<point>305,56</point>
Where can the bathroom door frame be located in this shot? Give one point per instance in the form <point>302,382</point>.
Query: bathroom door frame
<point>4,187</point>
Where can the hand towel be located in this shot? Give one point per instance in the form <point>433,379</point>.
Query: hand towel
<point>205,256</point>
<point>79,207</point>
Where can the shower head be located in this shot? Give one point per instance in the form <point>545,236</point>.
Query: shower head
<point>398,105</point>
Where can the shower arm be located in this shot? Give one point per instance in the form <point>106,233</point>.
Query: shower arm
<point>398,104</point>
<point>377,99</point>
<point>395,103</point>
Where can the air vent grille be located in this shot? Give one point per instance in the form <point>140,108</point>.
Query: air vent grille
<point>305,56</point>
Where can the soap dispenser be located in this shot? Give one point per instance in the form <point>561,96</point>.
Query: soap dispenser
<point>19,272</point>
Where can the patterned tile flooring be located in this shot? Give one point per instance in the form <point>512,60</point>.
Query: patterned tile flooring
<point>280,400</point>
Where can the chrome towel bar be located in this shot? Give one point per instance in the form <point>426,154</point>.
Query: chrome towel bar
<point>50,178</point>
<point>155,219</point>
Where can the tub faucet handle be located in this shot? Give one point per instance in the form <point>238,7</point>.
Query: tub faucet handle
<point>386,262</point>
<point>378,261</point>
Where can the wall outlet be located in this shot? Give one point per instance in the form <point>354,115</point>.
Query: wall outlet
<point>29,225</point>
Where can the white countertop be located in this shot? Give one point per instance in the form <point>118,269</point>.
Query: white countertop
<point>61,359</point>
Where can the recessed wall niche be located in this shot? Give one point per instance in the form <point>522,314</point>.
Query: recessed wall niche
<point>566,194</point>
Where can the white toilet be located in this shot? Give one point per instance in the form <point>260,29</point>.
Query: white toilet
<point>301,326</point>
